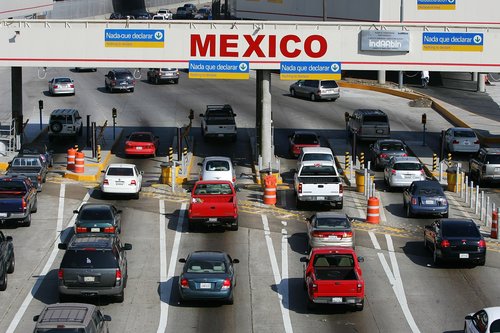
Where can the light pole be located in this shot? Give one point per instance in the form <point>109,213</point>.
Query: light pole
<point>40,107</point>
<point>324,11</point>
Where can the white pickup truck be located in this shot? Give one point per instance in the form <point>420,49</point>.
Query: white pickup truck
<point>318,181</point>
<point>218,122</point>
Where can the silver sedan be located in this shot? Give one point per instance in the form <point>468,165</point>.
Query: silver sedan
<point>329,229</point>
<point>61,85</point>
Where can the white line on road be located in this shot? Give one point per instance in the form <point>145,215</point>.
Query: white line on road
<point>284,291</point>
<point>455,203</point>
<point>277,279</point>
<point>374,240</point>
<point>166,280</point>
<point>60,215</point>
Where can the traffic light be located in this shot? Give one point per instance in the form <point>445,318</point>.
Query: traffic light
<point>113,112</point>
<point>40,104</point>
<point>191,114</point>
<point>424,118</point>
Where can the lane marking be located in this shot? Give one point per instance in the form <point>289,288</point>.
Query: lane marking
<point>358,205</point>
<point>374,240</point>
<point>60,235</point>
<point>166,285</point>
<point>464,212</point>
<point>277,279</point>
<point>284,291</point>
<point>163,269</point>
<point>381,208</point>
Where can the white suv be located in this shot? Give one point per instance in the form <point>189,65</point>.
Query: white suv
<point>65,122</point>
<point>402,171</point>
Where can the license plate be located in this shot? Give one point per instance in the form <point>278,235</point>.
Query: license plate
<point>119,183</point>
<point>95,229</point>
<point>333,238</point>
<point>336,299</point>
<point>466,143</point>
<point>205,285</point>
<point>320,198</point>
<point>220,135</point>
<point>463,256</point>
<point>212,219</point>
<point>89,278</point>
<point>138,148</point>
<point>3,214</point>
<point>497,169</point>
<point>429,202</point>
<point>379,131</point>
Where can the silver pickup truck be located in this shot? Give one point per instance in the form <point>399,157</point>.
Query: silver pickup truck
<point>486,166</point>
<point>218,122</point>
<point>318,181</point>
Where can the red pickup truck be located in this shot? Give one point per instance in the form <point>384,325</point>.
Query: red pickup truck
<point>333,276</point>
<point>213,203</point>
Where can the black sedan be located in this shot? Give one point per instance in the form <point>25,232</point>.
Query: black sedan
<point>96,217</point>
<point>455,240</point>
<point>207,275</point>
<point>7,261</point>
<point>425,197</point>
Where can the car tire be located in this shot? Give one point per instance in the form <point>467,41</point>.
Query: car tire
<point>191,226</point>
<point>408,211</point>
<point>27,220</point>
<point>120,297</point>
<point>80,131</point>
<point>132,90</point>
<point>435,258</point>
<point>359,306</point>
<point>176,81</point>
<point>12,264</point>
<point>63,298</point>
<point>292,93</point>
<point>35,206</point>
<point>56,127</point>
<point>136,196</point>
<point>310,304</point>
<point>339,205</point>
<point>334,99</point>
<point>3,286</point>
<point>312,97</point>
<point>298,203</point>
<point>234,226</point>
<point>230,300</point>
<point>482,262</point>
<point>446,215</point>
<point>157,81</point>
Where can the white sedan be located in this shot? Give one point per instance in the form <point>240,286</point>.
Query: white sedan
<point>486,320</point>
<point>61,85</point>
<point>217,168</point>
<point>461,140</point>
<point>121,179</point>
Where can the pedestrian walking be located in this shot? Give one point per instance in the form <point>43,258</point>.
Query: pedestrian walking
<point>425,78</point>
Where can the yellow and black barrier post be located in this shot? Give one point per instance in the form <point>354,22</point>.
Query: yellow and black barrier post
<point>98,153</point>
<point>362,160</point>
<point>434,162</point>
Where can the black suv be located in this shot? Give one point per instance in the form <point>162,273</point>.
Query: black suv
<point>93,265</point>
<point>119,79</point>
<point>71,317</point>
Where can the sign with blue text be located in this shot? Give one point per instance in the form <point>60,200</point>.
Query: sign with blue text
<point>452,41</point>
<point>224,69</point>
<point>300,70</point>
<point>436,4</point>
<point>134,38</point>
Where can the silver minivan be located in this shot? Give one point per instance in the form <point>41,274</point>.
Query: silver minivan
<point>369,124</point>
<point>315,89</point>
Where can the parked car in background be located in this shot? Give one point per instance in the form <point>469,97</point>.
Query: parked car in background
<point>85,69</point>
<point>65,123</point>
<point>208,276</point>
<point>30,166</point>
<point>203,13</point>
<point>97,218</point>
<point>191,8</point>
<point>61,86</point>
<point>7,259</point>
<point>486,166</point>
<point>93,265</point>
<point>158,75</point>
<point>217,168</point>
<point>121,179</point>
<point>425,197</point>
<point>315,89</point>
<point>461,140</point>
<point>119,79</point>
<point>142,144</point>
<point>302,139</point>
<point>384,149</point>
<point>329,229</point>
<point>159,18</point>
<point>166,13</point>
<point>457,240</point>
<point>71,317</point>
<point>369,124</point>
<point>402,171</point>
<point>182,13</point>
<point>486,320</point>
<point>117,16</point>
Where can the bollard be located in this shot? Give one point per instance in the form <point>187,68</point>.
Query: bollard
<point>71,159</point>
<point>476,206</point>
<point>366,182</point>
<point>494,225</point>
<point>481,207</point>
<point>449,159</point>
<point>347,160</point>
<point>462,185</point>
<point>434,162</point>
<point>270,190</point>
<point>487,219</point>
<point>79,162</point>
<point>98,153</point>
<point>372,211</point>
<point>362,160</point>
<point>471,196</point>
<point>171,154</point>
<point>466,189</point>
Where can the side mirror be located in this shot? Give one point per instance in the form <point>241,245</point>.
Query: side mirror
<point>35,318</point>
<point>119,211</point>
<point>9,238</point>
<point>304,259</point>
<point>75,211</point>
<point>106,317</point>
<point>468,317</point>
<point>200,164</point>
<point>183,260</point>
<point>236,261</point>
<point>234,115</point>
<point>62,246</point>
<point>103,171</point>
<point>141,172</point>
<point>202,115</point>
<point>127,246</point>
<point>428,227</point>
<point>361,259</point>
<point>189,190</point>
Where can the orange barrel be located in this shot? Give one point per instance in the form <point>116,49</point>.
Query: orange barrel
<point>270,190</point>
<point>71,159</point>
<point>494,225</point>
<point>372,212</point>
<point>79,162</point>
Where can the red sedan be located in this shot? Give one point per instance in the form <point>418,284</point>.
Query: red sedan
<point>301,139</point>
<point>142,143</point>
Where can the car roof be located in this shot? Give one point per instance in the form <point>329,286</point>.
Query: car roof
<point>305,133</point>
<point>217,158</point>
<point>207,255</point>
<point>371,111</point>
<point>427,184</point>
<point>67,314</point>
<point>325,150</point>
<point>141,133</point>
<point>331,215</point>
<point>121,165</point>
<point>462,129</point>
<point>333,249</point>
<point>62,112</point>
<point>411,159</point>
<point>379,141</point>
<point>213,182</point>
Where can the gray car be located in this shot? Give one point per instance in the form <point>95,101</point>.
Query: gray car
<point>382,151</point>
<point>61,86</point>
<point>486,166</point>
<point>316,89</point>
<point>119,79</point>
<point>329,229</point>
<point>93,265</point>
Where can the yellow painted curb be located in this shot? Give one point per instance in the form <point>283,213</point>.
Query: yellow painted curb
<point>4,166</point>
<point>89,178</point>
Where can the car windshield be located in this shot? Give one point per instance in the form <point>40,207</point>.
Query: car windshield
<point>305,139</point>
<point>495,326</point>
<point>464,134</point>
<point>375,118</point>
<point>460,230</point>
<point>113,171</point>
<point>213,189</point>
<point>220,113</point>
<point>492,159</point>
<point>96,214</point>
<point>217,166</point>
<point>318,170</point>
<point>198,266</point>
<point>62,80</point>
<point>61,119</point>
<point>123,75</point>
<point>429,192</point>
<point>317,157</point>
<point>333,260</point>
<point>392,146</point>
<point>89,259</point>
<point>12,186</point>
<point>407,166</point>
<point>332,223</point>
<point>26,162</point>
<point>329,84</point>
<point>140,137</point>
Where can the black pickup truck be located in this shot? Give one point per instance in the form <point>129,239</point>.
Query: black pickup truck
<point>7,261</point>
<point>32,166</point>
<point>18,199</point>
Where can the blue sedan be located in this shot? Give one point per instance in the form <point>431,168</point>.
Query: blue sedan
<point>207,275</point>
<point>425,197</point>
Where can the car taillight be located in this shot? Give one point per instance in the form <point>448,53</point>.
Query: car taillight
<point>393,171</point>
<point>133,182</point>
<point>60,274</point>
<point>226,284</point>
<point>56,86</point>
<point>105,182</point>
<point>341,188</point>
<point>110,230</point>
<point>318,92</point>
<point>455,142</point>
<point>113,82</point>
<point>445,243</point>
<point>23,203</point>
<point>476,142</point>
<point>384,155</point>
<point>359,288</point>
<point>319,234</point>
<point>71,85</point>
<point>81,229</point>
<point>315,288</point>
<point>39,178</point>
<point>299,188</point>
<point>118,276</point>
<point>184,283</point>
<point>404,155</point>
<point>347,234</point>
<point>413,201</point>
<point>234,179</point>
<point>482,243</point>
